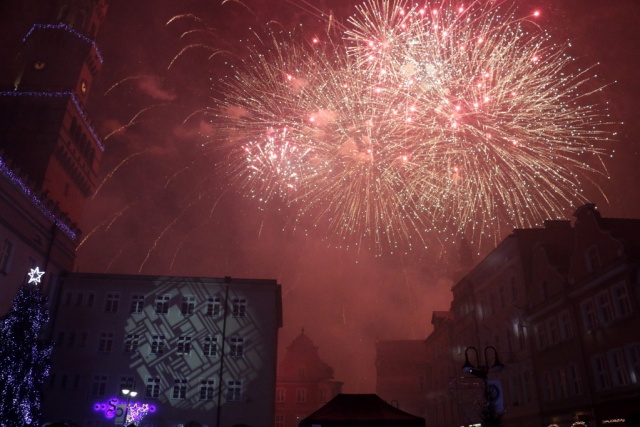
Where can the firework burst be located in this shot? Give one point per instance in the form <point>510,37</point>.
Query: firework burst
<point>414,121</point>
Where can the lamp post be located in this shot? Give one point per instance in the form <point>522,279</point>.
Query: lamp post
<point>128,390</point>
<point>489,415</point>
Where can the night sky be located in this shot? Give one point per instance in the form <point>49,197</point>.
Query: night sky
<point>161,209</point>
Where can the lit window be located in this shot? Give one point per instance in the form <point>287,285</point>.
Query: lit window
<point>188,305</point>
<point>210,346</point>
<point>153,388</point>
<point>137,303</point>
<point>179,388</point>
<point>157,344</point>
<point>237,347</point>
<point>111,304</point>
<point>234,391</point>
<point>106,342</point>
<point>162,304</point>
<point>206,389</point>
<point>184,345</point>
<point>239,307</point>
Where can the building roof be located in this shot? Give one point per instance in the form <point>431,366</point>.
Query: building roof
<point>361,410</point>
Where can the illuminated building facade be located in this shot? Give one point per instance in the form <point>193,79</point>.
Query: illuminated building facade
<point>304,383</point>
<point>200,350</point>
<point>560,305</point>
<point>49,150</point>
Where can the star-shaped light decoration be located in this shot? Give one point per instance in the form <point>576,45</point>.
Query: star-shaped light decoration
<point>35,275</point>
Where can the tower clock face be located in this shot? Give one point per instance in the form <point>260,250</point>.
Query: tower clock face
<point>38,65</point>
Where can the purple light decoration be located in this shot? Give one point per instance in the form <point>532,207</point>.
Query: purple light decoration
<point>69,30</point>
<point>136,412</point>
<point>73,97</point>
<point>27,192</point>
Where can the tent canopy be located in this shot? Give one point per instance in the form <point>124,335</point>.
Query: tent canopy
<point>361,410</point>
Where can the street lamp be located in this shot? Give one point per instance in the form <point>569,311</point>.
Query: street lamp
<point>128,390</point>
<point>489,415</point>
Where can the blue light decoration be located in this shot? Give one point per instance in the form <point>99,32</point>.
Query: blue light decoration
<point>67,29</point>
<point>79,109</point>
<point>4,169</point>
<point>136,412</point>
<point>25,358</point>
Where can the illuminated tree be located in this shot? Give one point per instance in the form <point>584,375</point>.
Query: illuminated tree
<point>24,357</point>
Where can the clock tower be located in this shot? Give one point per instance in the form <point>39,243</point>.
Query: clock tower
<point>46,136</point>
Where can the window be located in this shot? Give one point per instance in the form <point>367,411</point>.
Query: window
<point>179,388</point>
<point>234,390</point>
<point>206,389</point>
<point>552,329</point>
<point>280,395</point>
<point>589,315</point>
<point>237,347</point>
<point>68,296</point>
<point>210,347</point>
<point>137,303</point>
<point>99,385</point>
<point>575,380</point>
<point>91,297</point>
<point>301,395</point>
<point>548,387</point>
<point>619,370</point>
<point>527,384</point>
<point>566,328</point>
<point>131,343</point>
<point>633,357</point>
<point>605,307</point>
<point>563,383</point>
<point>162,304</point>
<point>592,259</point>
<point>79,299</point>
<point>111,304</point>
<point>213,306</point>
<point>302,372</point>
<point>188,305</point>
<point>541,335</point>
<point>72,339</point>
<point>239,307</point>
<point>279,420</point>
<point>83,339</point>
<point>621,300</point>
<point>157,344</point>
<point>125,381</point>
<point>5,255</point>
<point>184,344</point>
<point>153,387</point>
<point>601,371</point>
<point>106,342</point>
<point>323,390</point>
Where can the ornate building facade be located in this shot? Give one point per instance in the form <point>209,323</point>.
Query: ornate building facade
<point>304,383</point>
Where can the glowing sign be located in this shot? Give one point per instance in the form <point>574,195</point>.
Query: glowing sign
<point>135,413</point>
